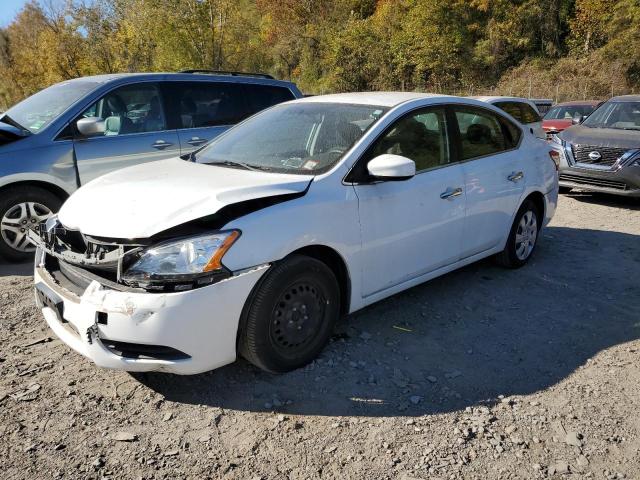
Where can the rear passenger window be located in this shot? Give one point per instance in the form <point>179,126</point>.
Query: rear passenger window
<point>204,104</point>
<point>265,96</point>
<point>512,108</point>
<point>481,133</point>
<point>529,115</point>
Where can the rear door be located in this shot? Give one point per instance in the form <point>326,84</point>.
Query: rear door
<point>493,175</point>
<point>136,132</point>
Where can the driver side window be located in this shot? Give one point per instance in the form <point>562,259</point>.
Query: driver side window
<point>130,109</point>
<point>421,136</point>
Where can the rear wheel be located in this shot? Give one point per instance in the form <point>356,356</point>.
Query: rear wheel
<point>523,237</point>
<point>289,318</point>
<point>23,208</point>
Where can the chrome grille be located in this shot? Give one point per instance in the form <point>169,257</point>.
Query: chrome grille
<point>608,155</point>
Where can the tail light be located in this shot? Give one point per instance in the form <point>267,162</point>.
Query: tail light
<point>555,156</point>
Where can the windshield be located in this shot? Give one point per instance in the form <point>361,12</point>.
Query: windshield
<point>302,138</point>
<point>568,112</point>
<point>38,111</point>
<point>618,115</point>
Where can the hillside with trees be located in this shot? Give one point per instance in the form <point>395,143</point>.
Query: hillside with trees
<point>561,49</point>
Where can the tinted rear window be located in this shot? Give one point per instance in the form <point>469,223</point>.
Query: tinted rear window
<point>265,96</point>
<point>529,115</point>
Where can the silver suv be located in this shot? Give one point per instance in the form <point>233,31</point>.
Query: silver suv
<point>74,131</point>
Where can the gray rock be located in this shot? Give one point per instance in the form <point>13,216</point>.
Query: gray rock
<point>124,437</point>
<point>415,399</point>
<point>573,438</point>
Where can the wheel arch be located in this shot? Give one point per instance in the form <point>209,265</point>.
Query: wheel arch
<point>332,259</point>
<point>50,187</point>
<point>537,198</point>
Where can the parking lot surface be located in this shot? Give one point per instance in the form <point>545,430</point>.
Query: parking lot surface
<point>482,373</point>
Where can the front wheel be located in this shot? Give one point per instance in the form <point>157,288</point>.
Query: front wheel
<point>23,208</point>
<point>523,237</point>
<point>290,316</point>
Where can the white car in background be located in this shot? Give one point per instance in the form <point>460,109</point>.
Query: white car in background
<point>309,210</point>
<point>523,110</point>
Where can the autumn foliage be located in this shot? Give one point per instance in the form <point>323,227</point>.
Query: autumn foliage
<point>552,48</point>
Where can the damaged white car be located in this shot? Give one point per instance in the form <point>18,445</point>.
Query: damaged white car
<point>306,211</point>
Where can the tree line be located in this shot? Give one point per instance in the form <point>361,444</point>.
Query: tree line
<point>561,49</point>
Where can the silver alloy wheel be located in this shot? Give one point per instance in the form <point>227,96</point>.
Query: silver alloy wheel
<point>18,219</point>
<point>526,235</point>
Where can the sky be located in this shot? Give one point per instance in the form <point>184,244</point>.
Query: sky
<point>8,10</point>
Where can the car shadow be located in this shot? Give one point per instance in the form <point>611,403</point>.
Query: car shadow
<point>460,340</point>
<point>20,269</point>
<point>604,199</point>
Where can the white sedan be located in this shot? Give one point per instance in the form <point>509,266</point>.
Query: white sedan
<point>258,243</point>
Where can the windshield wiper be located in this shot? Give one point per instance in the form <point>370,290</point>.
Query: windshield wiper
<point>10,121</point>
<point>246,166</point>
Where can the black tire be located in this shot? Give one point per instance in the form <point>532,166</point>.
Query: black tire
<point>565,190</point>
<point>290,315</point>
<point>509,257</point>
<point>10,198</point>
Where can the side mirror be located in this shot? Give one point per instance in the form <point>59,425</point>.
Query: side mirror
<point>391,167</point>
<point>91,126</point>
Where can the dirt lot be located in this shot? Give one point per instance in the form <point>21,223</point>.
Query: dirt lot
<point>484,373</point>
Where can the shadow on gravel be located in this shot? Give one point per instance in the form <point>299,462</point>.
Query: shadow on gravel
<point>463,339</point>
<point>614,201</point>
<point>22,269</point>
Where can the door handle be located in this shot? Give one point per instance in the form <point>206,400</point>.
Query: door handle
<point>516,176</point>
<point>451,193</point>
<point>161,144</point>
<point>195,141</point>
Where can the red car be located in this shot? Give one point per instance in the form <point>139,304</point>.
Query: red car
<point>562,115</point>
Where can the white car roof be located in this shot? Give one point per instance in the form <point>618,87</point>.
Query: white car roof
<point>382,99</point>
<point>492,99</point>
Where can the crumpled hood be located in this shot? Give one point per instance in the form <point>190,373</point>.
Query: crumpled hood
<point>602,137</point>
<point>141,201</point>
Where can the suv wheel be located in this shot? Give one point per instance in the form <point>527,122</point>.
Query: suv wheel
<point>290,316</point>
<point>23,208</point>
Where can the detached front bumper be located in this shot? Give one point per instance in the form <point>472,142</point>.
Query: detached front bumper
<point>180,332</point>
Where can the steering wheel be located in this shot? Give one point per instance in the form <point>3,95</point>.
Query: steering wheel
<point>338,150</point>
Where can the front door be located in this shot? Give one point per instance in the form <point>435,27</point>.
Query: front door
<point>135,132</point>
<point>410,228</point>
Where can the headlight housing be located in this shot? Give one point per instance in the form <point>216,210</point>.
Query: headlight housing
<point>182,264</point>
<point>555,139</point>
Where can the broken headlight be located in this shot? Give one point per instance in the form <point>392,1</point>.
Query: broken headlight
<point>182,264</point>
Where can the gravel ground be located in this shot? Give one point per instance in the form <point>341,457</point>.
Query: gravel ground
<point>484,373</point>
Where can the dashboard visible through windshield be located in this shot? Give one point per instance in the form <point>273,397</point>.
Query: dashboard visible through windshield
<point>304,138</point>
